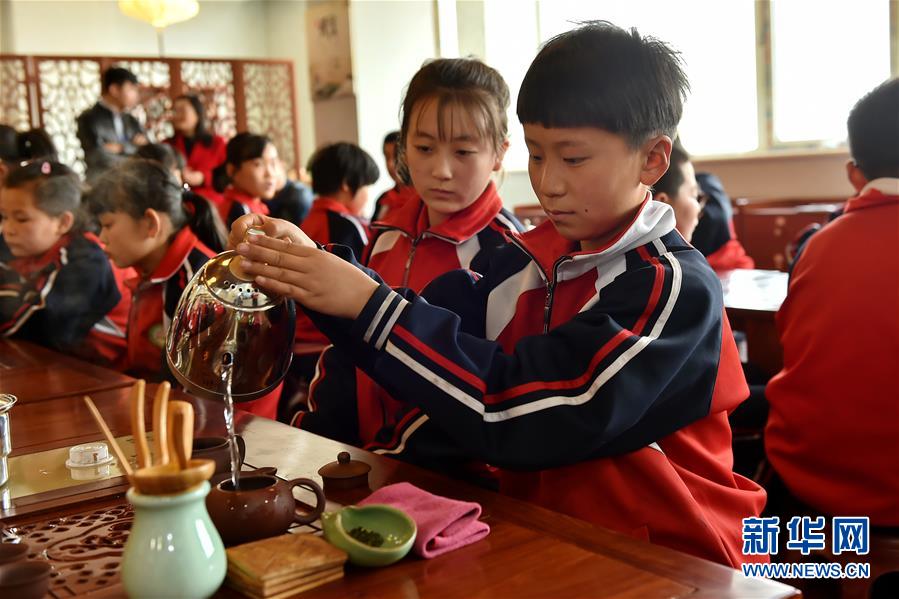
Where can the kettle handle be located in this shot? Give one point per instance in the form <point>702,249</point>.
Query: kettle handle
<point>307,483</point>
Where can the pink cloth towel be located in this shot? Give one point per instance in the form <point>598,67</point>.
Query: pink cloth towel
<point>443,524</point>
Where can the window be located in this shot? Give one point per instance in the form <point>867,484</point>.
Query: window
<point>823,61</point>
<point>792,89</point>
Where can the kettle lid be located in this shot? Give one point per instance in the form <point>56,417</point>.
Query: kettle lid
<point>225,279</point>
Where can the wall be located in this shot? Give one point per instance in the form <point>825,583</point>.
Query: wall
<point>788,176</point>
<point>389,41</point>
<point>285,32</point>
<point>99,28</point>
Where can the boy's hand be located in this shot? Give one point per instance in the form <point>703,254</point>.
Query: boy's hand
<point>319,280</point>
<point>273,227</point>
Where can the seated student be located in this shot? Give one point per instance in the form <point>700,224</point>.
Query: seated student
<point>715,236</point>
<point>341,174</point>
<point>593,360</point>
<point>56,285</point>
<point>292,201</point>
<point>431,233</point>
<point>833,427</point>
<point>679,189</point>
<point>147,223</point>
<point>397,195</point>
<point>248,176</point>
<point>202,150</point>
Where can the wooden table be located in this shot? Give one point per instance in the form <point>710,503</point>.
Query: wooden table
<point>752,299</point>
<point>33,373</point>
<point>530,551</point>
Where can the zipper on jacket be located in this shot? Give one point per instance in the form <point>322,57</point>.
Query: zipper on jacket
<point>550,289</point>
<point>409,261</point>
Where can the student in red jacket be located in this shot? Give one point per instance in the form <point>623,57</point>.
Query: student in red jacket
<point>679,189</point>
<point>56,285</point>
<point>397,195</point>
<point>250,176</point>
<point>145,224</point>
<point>593,361</point>
<point>202,150</point>
<point>341,174</point>
<point>833,426</point>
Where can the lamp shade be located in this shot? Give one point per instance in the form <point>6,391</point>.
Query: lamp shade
<point>160,13</point>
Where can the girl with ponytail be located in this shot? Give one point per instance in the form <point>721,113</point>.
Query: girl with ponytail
<point>146,223</point>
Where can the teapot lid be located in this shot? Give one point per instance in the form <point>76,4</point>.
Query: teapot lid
<point>225,279</point>
<point>344,467</point>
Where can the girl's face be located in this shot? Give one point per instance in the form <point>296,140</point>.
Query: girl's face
<point>185,118</point>
<point>126,240</point>
<point>258,176</point>
<point>449,174</point>
<point>28,230</point>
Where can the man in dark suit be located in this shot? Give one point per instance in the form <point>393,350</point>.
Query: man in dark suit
<point>106,131</point>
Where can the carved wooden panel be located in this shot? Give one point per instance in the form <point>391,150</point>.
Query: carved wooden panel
<point>214,82</point>
<point>51,91</point>
<point>67,88</point>
<point>14,110</point>
<point>269,106</point>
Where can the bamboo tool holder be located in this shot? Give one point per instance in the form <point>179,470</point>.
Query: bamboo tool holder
<point>119,454</point>
<point>183,473</point>
<point>138,426</point>
<point>160,430</point>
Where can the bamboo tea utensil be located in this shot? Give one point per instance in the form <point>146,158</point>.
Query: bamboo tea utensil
<point>138,426</point>
<point>183,473</point>
<point>119,454</point>
<point>160,428</point>
<point>183,432</point>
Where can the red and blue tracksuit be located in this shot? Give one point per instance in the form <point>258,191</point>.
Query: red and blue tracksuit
<point>833,426</point>
<point>67,299</point>
<point>599,382</point>
<point>406,252</point>
<point>236,203</point>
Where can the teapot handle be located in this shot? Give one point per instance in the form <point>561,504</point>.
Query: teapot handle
<point>307,483</point>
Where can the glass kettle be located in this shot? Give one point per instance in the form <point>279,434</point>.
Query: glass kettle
<point>228,331</point>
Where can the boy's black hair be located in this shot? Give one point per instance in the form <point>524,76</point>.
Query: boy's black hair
<point>163,154</point>
<point>674,176</point>
<point>9,151</point>
<point>392,138</point>
<point>874,131</point>
<point>118,76</point>
<point>201,134</point>
<point>599,75</point>
<point>36,144</point>
<point>137,184</point>
<point>56,188</point>
<point>336,164</point>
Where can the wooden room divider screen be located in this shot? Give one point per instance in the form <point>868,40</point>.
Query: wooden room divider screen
<point>239,95</point>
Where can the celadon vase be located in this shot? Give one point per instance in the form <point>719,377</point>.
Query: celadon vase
<point>173,549</point>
